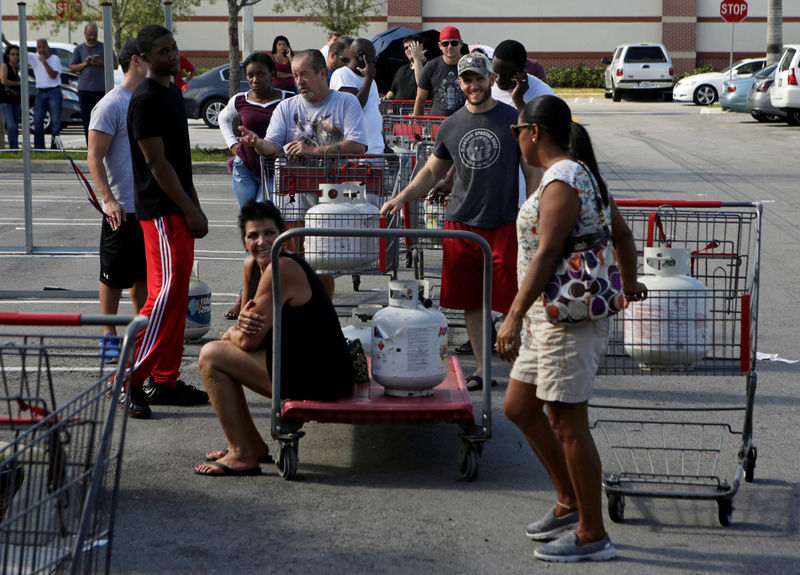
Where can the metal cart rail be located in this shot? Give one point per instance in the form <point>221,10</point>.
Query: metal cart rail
<point>450,401</point>
<point>60,466</point>
<point>678,451</point>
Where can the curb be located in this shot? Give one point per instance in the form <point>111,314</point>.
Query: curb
<point>64,167</point>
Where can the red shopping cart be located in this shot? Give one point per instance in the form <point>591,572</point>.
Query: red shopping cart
<point>60,450</point>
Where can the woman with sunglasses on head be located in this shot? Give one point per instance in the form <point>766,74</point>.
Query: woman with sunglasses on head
<point>10,94</point>
<point>555,364</point>
<point>282,55</point>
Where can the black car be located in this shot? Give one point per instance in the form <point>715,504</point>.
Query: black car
<point>70,104</point>
<point>207,94</point>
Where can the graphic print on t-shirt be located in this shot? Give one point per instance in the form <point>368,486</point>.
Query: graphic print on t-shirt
<point>449,91</point>
<point>479,149</point>
<point>317,131</point>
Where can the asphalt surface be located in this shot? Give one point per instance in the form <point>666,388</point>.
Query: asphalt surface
<point>387,498</point>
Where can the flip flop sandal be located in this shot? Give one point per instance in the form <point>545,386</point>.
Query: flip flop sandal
<point>477,381</point>
<point>263,459</point>
<point>232,313</point>
<point>464,349</point>
<point>227,471</point>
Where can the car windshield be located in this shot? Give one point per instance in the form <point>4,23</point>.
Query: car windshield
<point>766,72</point>
<point>644,54</point>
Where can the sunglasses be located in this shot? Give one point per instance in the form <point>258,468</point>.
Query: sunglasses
<point>453,43</point>
<point>517,128</point>
<point>344,59</point>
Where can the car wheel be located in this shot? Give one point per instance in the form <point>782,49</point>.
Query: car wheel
<point>607,94</point>
<point>667,96</point>
<point>616,95</point>
<point>46,120</point>
<point>210,112</point>
<point>793,117</point>
<point>705,95</point>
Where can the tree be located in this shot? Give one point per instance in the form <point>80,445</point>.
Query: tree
<point>774,30</point>
<point>128,15</point>
<point>234,7</point>
<point>343,17</point>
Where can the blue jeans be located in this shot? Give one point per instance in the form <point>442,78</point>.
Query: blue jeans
<point>47,101</point>
<point>11,116</point>
<point>247,186</point>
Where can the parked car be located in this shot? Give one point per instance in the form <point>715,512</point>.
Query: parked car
<point>785,92</point>
<point>704,89</point>
<point>639,69</point>
<point>207,94</point>
<point>734,92</point>
<point>758,98</point>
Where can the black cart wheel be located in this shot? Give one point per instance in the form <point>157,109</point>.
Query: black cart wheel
<point>356,282</point>
<point>750,463</point>
<point>287,462</point>
<point>468,459</point>
<point>616,507</point>
<point>725,511</point>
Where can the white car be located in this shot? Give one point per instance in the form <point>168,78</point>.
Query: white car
<point>64,52</point>
<point>644,68</point>
<point>785,91</point>
<point>704,89</point>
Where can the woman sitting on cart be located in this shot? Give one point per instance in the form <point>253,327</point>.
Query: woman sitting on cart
<point>315,361</point>
<point>555,364</point>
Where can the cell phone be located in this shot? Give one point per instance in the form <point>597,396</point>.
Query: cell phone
<point>360,62</point>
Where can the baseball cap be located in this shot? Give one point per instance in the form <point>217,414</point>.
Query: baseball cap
<point>474,62</point>
<point>449,33</point>
<point>129,49</point>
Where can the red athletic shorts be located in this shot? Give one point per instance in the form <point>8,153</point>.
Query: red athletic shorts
<point>462,268</point>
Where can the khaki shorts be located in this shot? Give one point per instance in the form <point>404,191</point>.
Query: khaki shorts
<point>562,360</point>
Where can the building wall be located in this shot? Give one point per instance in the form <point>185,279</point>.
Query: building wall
<point>557,32</point>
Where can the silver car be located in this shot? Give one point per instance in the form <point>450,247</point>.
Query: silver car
<point>758,98</point>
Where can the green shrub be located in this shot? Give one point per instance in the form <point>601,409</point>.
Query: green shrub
<point>700,70</point>
<point>580,76</point>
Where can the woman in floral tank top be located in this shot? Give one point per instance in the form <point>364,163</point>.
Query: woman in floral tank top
<point>555,364</point>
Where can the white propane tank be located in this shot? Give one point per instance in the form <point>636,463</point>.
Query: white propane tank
<point>198,310</point>
<point>409,343</point>
<point>368,248</point>
<point>334,211</point>
<point>668,329</point>
<point>361,328</point>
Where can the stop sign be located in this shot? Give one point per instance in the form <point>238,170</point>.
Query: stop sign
<point>66,10</point>
<point>733,10</point>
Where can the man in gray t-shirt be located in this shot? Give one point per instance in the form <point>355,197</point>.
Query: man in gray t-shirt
<point>478,143</point>
<point>122,255</point>
<point>438,80</point>
<point>87,63</point>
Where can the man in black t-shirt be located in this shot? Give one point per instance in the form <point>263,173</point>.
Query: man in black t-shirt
<point>404,84</point>
<point>438,81</point>
<point>169,211</point>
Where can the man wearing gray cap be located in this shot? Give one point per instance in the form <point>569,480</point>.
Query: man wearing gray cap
<point>477,142</point>
<point>122,259</point>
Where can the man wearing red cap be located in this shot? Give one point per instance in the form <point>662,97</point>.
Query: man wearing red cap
<point>439,79</point>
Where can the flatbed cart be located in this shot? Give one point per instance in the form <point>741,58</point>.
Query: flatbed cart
<point>449,403</point>
<point>676,448</point>
<point>60,449</point>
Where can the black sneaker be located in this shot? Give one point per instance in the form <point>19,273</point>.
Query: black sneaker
<point>138,408</point>
<point>180,394</point>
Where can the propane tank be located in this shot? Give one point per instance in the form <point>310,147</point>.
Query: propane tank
<point>361,326</point>
<point>368,248</point>
<point>334,211</point>
<point>669,328</point>
<point>409,343</point>
<point>198,310</point>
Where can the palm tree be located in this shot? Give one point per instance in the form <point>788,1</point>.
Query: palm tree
<point>774,30</point>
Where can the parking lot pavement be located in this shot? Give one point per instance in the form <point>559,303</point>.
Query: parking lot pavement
<point>387,499</point>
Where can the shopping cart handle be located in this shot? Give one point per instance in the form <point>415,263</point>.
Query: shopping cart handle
<point>674,203</point>
<point>14,318</point>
